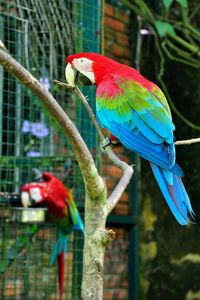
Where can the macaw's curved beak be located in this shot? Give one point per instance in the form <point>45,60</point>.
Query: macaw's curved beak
<point>73,76</point>
<point>26,199</point>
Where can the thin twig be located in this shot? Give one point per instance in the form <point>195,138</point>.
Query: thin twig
<point>187,142</point>
<point>77,91</point>
<point>90,112</point>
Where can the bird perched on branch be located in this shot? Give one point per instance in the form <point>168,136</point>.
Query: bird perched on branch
<point>136,112</point>
<point>62,211</point>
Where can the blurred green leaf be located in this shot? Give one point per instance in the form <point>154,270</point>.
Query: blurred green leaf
<point>164,28</point>
<point>183,3</point>
<point>167,3</point>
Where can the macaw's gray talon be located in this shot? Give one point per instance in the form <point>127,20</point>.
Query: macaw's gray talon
<point>133,165</point>
<point>107,142</point>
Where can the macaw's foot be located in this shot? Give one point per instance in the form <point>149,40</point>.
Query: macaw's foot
<point>108,141</point>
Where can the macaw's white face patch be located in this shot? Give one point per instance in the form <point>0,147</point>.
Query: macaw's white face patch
<point>35,194</point>
<point>84,66</point>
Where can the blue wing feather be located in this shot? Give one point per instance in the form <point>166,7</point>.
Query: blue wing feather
<point>137,142</point>
<point>146,130</point>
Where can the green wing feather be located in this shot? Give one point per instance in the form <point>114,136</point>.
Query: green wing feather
<point>137,107</point>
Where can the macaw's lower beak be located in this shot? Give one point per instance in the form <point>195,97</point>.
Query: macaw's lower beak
<point>83,79</point>
<point>73,76</point>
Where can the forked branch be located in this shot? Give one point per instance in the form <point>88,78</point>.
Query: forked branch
<point>127,170</point>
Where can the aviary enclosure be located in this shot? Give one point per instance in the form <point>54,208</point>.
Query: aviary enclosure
<point>40,35</point>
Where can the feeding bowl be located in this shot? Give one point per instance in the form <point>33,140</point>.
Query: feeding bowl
<point>28,215</point>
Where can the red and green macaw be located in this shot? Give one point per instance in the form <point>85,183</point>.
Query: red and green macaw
<point>62,211</point>
<point>136,112</point>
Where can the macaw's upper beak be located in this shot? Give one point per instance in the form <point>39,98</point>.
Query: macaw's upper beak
<point>73,76</point>
<point>26,199</point>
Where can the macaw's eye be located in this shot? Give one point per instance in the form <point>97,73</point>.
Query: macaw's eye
<point>82,60</point>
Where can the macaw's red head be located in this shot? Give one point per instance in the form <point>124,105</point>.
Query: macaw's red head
<point>88,68</point>
<point>49,189</point>
<point>36,192</point>
<point>32,193</point>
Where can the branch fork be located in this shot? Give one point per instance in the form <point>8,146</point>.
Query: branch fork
<point>127,170</point>
<point>103,236</point>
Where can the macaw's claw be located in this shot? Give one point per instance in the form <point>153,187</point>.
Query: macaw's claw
<point>107,142</point>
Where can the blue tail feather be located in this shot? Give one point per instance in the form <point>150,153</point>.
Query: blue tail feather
<point>184,195</point>
<point>174,194</point>
<point>168,176</point>
<point>62,242</point>
<point>59,246</point>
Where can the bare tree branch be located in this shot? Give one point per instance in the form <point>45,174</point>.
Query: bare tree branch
<point>92,116</point>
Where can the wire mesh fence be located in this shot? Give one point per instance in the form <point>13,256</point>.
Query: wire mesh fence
<point>116,278</point>
<point>40,35</point>
<point>24,269</point>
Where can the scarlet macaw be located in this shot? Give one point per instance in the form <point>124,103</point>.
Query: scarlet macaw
<point>62,211</point>
<point>136,112</point>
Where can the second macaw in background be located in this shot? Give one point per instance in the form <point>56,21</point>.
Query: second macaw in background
<point>62,211</point>
<point>136,112</point>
